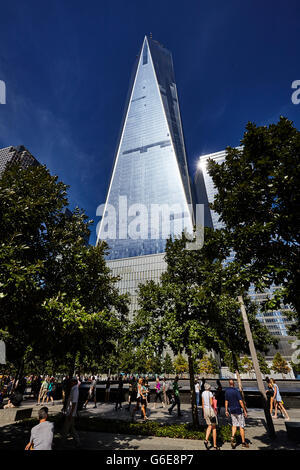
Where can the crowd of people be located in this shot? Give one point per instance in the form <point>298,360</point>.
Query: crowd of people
<point>166,392</point>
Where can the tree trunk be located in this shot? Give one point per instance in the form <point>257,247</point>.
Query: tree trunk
<point>238,377</point>
<point>261,388</point>
<point>192,387</point>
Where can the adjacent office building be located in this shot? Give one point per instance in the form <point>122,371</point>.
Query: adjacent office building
<point>149,196</point>
<point>19,154</point>
<point>205,190</point>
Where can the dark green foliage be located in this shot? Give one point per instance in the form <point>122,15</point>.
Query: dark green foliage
<point>57,296</point>
<point>259,202</point>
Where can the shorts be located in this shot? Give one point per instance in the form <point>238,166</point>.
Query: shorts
<point>210,420</point>
<point>143,401</point>
<point>238,420</point>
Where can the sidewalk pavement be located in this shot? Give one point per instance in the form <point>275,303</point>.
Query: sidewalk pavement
<point>13,436</point>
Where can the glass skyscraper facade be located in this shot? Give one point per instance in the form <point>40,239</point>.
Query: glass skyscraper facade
<point>205,190</point>
<point>149,196</point>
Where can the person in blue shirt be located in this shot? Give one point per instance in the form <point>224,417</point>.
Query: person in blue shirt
<point>238,412</point>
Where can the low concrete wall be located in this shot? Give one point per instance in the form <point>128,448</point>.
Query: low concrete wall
<point>10,415</point>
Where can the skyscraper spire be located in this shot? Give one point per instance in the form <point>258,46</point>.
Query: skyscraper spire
<point>150,165</point>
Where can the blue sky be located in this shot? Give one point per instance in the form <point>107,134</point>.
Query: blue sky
<point>67,65</point>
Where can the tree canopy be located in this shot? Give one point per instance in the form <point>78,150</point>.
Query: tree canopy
<point>258,200</point>
<point>57,296</point>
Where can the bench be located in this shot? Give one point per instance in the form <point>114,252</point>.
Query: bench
<point>293,430</point>
<point>10,415</point>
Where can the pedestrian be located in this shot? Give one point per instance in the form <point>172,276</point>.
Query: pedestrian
<point>209,416</point>
<point>66,388</point>
<point>158,392</point>
<point>176,387</point>
<point>219,395</point>
<point>169,391</point>
<point>234,403</point>
<point>270,393</point>
<point>15,399</point>
<point>41,436</point>
<point>71,410</point>
<point>197,391</point>
<point>43,391</point>
<point>51,390</point>
<point>165,386</point>
<point>147,385</point>
<point>119,397</point>
<point>130,393</point>
<point>107,390</point>
<point>35,386</point>
<point>278,403</point>
<point>141,394</point>
<point>92,393</point>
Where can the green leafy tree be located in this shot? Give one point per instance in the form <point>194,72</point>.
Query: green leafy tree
<point>246,365</point>
<point>167,365</point>
<point>57,296</point>
<point>207,365</point>
<point>194,307</point>
<point>180,364</point>
<point>263,365</point>
<point>258,200</point>
<point>280,365</point>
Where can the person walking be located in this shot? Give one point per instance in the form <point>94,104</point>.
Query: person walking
<point>209,416</point>
<point>176,387</point>
<point>41,436</point>
<point>107,390</point>
<point>219,395</point>
<point>158,392</point>
<point>278,403</point>
<point>148,395</point>
<point>51,390</point>
<point>130,393</point>
<point>270,393</point>
<point>238,413</point>
<point>71,411</point>
<point>197,391</point>
<point>119,397</point>
<point>91,393</point>
<point>141,393</point>
<point>43,391</point>
<point>169,391</point>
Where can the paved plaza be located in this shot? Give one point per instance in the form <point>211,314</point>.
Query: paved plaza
<point>13,436</point>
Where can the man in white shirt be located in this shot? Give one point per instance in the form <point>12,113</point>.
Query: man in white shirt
<point>71,410</point>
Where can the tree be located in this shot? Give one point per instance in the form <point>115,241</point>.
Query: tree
<point>246,365</point>
<point>167,365</point>
<point>263,365</point>
<point>180,364</point>
<point>258,200</point>
<point>207,366</point>
<point>194,307</point>
<point>280,365</point>
<point>57,295</point>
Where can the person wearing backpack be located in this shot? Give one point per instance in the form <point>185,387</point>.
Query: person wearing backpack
<point>50,392</point>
